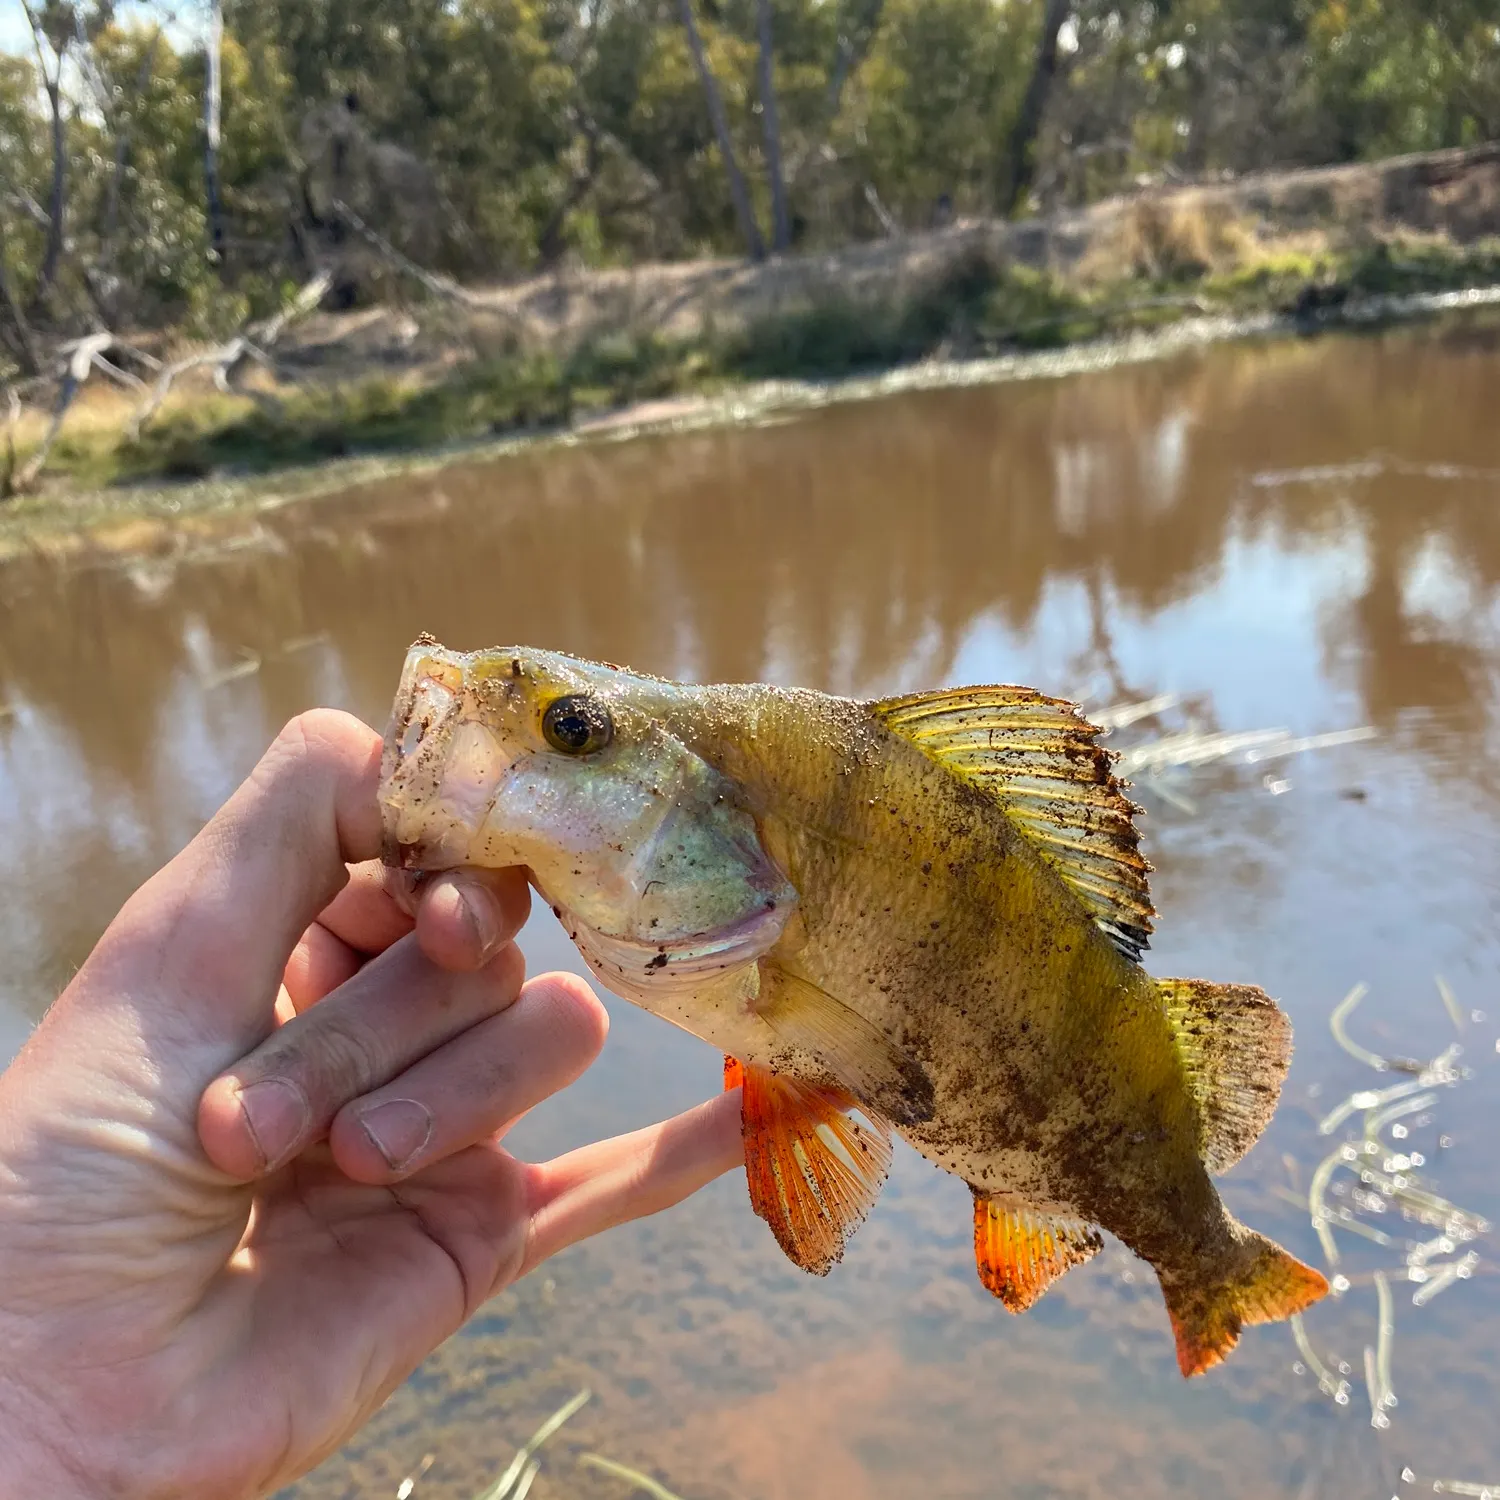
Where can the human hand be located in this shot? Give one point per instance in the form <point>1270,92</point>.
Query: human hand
<point>250,1171</point>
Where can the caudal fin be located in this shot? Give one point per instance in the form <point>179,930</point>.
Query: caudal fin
<point>1257,1283</point>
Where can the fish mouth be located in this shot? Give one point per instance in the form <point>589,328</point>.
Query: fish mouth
<point>639,967</point>
<point>440,769</point>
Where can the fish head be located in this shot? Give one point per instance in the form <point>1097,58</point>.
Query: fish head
<point>582,773</point>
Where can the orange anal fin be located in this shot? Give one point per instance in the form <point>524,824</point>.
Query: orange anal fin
<point>813,1172</point>
<point>1021,1251</point>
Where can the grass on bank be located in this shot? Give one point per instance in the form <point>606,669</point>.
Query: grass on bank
<point>1159,269</point>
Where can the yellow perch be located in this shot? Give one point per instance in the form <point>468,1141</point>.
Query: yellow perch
<point>930,909</point>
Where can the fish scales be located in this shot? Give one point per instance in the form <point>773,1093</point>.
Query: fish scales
<point>928,910</point>
<point>1049,1054</point>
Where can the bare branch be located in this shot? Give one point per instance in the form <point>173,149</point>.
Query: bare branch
<point>887,220</point>
<point>853,48</point>
<point>78,360</point>
<point>439,286</point>
<point>8,468</point>
<point>227,358</point>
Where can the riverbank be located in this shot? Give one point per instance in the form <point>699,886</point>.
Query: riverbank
<point>355,394</point>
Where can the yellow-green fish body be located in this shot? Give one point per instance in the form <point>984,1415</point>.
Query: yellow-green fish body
<point>930,908</point>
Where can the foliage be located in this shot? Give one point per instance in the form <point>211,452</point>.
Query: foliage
<point>482,139</point>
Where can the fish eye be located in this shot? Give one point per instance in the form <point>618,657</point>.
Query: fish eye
<point>577,725</point>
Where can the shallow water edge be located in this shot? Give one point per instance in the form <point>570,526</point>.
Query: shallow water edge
<point>186,518</point>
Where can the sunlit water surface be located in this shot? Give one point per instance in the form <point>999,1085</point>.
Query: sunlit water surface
<point>1302,535</point>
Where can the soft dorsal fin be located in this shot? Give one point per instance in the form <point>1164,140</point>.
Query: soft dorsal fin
<point>1236,1043</point>
<point>1020,1251</point>
<point>813,1172</point>
<point>1039,759</point>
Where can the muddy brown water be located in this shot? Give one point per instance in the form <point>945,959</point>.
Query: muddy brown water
<point>1302,535</point>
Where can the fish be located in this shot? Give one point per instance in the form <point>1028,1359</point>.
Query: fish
<point>922,916</point>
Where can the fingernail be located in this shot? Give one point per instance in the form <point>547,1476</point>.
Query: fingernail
<point>483,919</point>
<point>276,1114</point>
<point>399,1130</point>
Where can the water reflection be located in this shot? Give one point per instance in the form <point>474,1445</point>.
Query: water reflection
<point>1301,534</point>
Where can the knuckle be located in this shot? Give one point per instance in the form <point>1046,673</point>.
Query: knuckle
<point>319,737</point>
<point>332,1058</point>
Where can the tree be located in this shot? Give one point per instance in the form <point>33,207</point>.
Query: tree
<point>744,213</point>
<point>781,219</point>
<point>1020,155</point>
<point>213,48</point>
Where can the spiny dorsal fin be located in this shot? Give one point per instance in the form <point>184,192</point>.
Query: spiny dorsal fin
<point>1039,760</point>
<point>1020,1251</point>
<point>813,1172</point>
<point>1237,1044</point>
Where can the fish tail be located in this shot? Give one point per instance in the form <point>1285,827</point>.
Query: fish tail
<point>1256,1282</point>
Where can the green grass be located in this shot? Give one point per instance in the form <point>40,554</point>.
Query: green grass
<point>978,307</point>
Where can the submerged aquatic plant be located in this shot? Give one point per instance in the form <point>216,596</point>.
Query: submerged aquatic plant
<point>633,1477</point>
<point>1156,764</point>
<point>517,1480</point>
<point>1387,1172</point>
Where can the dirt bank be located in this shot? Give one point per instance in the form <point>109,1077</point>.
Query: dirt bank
<point>1450,195</point>
<point>581,351</point>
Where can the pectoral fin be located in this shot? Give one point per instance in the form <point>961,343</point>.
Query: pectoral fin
<point>855,1052</point>
<point>813,1172</point>
<point>1021,1251</point>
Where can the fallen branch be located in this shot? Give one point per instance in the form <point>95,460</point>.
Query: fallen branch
<point>439,286</point>
<point>79,359</point>
<point>252,343</point>
<point>8,473</point>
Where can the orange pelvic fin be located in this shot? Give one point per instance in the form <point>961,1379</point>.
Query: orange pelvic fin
<point>1020,1251</point>
<point>1263,1285</point>
<point>813,1172</point>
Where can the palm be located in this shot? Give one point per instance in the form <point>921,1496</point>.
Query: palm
<point>339,1289</point>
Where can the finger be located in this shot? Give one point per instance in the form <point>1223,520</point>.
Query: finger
<point>217,925</point>
<point>471,1088</point>
<point>366,914</point>
<point>319,964</point>
<point>363,919</point>
<point>465,917</point>
<point>397,1009</point>
<point>594,1188</point>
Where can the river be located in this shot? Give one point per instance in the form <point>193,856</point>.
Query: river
<point>1301,535</point>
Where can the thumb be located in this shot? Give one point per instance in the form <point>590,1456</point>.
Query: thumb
<point>200,948</point>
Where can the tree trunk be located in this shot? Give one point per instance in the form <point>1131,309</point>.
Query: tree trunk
<point>57,200</point>
<point>738,192</point>
<point>781,219</point>
<point>852,47</point>
<point>550,241</point>
<point>213,51</point>
<point>851,52</point>
<point>1021,153</point>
